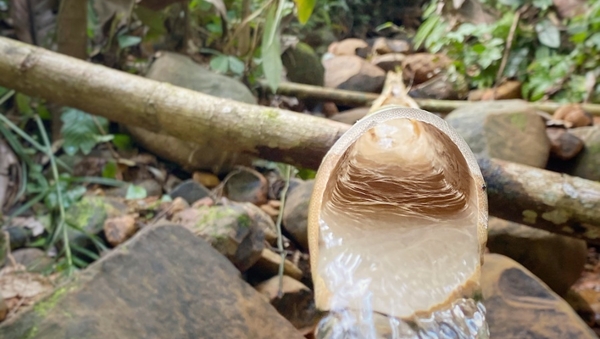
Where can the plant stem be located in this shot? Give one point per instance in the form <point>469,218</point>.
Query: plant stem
<point>7,96</point>
<point>61,207</point>
<point>288,174</point>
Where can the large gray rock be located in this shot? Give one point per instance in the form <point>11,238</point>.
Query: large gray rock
<point>587,163</point>
<point>555,259</point>
<point>508,129</point>
<point>164,283</point>
<point>519,305</point>
<point>182,71</point>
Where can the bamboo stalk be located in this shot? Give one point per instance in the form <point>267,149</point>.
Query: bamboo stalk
<point>353,98</point>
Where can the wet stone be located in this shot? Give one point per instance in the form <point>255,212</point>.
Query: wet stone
<point>519,305</point>
<point>556,259</point>
<point>190,190</point>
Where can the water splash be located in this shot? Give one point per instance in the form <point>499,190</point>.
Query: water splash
<point>464,319</point>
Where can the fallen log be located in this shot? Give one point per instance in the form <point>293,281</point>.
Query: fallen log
<point>353,98</point>
<point>561,204</point>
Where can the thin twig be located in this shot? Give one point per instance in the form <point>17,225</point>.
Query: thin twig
<point>288,174</point>
<point>509,41</point>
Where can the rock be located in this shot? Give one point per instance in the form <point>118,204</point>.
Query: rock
<point>519,305</point>
<point>89,215</point>
<point>296,304</point>
<point>246,185</point>
<point>353,73</point>
<point>420,67</point>
<point>271,210</point>
<point>388,62</point>
<point>556,259</point>
<point>181,71</point>
<point>506,90</point>
<point>302,65</point>
<point>190,191</point>
<point>295,212</point>
<point>264,220</point>
<point>441,87</point>
<point>207,180</point>
<point>33,259</point>
<point>573,115</point>
<point>509,130</point>
<point>22,230</point>
<point>563,145</point>
<point>268,266</point>
<point>118,230</point>
<point>330,109</point>
<point>587,163</point>
<point>229,229</point>
<point>347,46</point>
<point>387,46</point>
<point>164,283</point>
<point>351,116</point>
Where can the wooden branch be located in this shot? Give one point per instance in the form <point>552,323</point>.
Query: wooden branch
<point>519,193</point>
<point>265,132</point>
<point>543,199</point>
<point>352,98</point>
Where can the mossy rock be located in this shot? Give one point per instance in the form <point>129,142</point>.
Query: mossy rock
<point>303,65</point>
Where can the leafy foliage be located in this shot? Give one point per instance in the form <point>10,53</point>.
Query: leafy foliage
<point>549,60</point>
<point>81,131</point>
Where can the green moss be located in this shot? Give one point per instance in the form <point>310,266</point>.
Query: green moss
<point>244,220</point>
<point>89,212</point>
<point>271,114</point>
<point>43,306</point>
<point>31,332</point>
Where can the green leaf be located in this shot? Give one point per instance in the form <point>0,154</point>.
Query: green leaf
<point>122,142</point>
<point>305,9</point>
<point>424,30</point>
<point>110,170</point>
<point>128,40</point>
<point>593,41</point>
<point>73,195</point>
<point>43,112</point>
<point>517,62</point>
<point>154,20</point>
<point>80,131</point>
<point>579,37</point>
<point>548,34</point>
<point>23,103</point>
<point>271,52</point>
<point>542,4</point>
<point>512,3</point>
<point>236,65</point>
<point>220,63</point>
<point>135,192</point>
